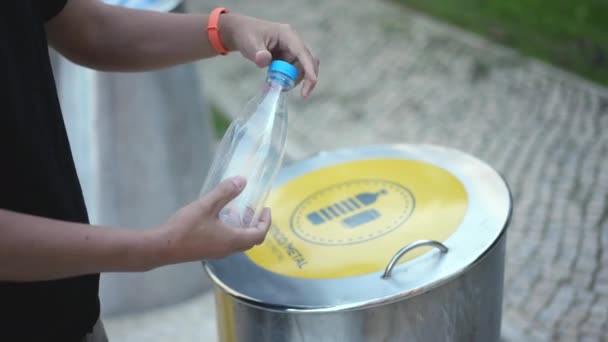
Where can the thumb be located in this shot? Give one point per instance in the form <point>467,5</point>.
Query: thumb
<point>255,50</point>
<point>263,58</point>
<point>225,192</point>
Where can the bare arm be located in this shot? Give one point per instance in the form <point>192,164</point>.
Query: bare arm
<point>35,248</point>
<point>105,37</point>
<point>114,38</point>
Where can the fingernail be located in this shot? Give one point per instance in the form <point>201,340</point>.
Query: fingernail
<point>239,182</point>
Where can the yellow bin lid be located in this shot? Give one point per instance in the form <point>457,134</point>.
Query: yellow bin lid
<point>340,218</point>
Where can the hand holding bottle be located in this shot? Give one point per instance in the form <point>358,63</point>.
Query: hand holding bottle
<point>195,232</point>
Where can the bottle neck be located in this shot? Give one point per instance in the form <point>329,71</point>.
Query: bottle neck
<point>278,80</point>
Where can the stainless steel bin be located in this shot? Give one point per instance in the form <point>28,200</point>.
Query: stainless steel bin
<point>375,243</point>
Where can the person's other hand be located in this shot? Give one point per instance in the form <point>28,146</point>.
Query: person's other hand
<point>195,232</point>
<point>262,41</point>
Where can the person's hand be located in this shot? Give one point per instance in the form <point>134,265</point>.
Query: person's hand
<point>195,232</point>
<point>262,41</point>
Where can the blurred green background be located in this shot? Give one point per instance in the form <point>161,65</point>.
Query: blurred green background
<point>571,34</point>
<point>220,120</point>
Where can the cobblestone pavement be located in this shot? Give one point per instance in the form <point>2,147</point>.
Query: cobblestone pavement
<point>390,75</point>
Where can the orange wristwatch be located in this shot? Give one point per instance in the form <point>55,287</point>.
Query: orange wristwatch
<point>213,30</point>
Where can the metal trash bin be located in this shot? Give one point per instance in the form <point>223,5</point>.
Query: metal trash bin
<point>378,243</point>
<point>142,143</point>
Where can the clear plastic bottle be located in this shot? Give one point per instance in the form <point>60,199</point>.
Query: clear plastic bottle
<point>253,147</point>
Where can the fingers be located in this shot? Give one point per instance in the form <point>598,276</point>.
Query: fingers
<point>317,63</point>
<point>308,68</point>
<point>298,66</point>
<point>289,46</point>
<point>245,238</point>
<point>230,216</point>
<point>265,220</point>
<point>248,216</point>
<point>310,74</point>
<point>225,192</point>
<point>309,64</point>
<point>280,41</point>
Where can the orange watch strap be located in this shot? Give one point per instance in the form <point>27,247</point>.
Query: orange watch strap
<point>213,30</point>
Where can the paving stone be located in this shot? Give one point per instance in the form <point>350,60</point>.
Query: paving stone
<point>562,300</point>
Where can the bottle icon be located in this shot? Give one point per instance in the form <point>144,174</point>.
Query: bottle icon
<point>253,147</point>
<point>349,207</point>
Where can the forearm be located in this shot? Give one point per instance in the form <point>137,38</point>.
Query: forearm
<point>143,40</point>
<point>35,248</point>
<point>114,38</point>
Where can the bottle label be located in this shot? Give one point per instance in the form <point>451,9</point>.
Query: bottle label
<point>350,219</point>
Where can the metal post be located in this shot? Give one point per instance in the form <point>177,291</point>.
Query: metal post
<point>142,143</point>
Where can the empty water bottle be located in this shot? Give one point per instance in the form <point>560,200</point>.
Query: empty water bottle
<point>253,147</point>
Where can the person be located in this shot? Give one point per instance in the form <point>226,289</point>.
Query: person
<point>50,256</point>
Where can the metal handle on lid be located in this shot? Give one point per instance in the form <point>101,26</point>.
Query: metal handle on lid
<point>411,246</point>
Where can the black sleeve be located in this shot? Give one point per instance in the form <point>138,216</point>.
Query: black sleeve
<point>50,8</point>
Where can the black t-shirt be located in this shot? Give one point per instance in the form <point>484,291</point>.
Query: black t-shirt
<point>37,176</point>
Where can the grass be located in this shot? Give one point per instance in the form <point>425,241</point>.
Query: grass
<point>571,34</point>
<point>220,120</point>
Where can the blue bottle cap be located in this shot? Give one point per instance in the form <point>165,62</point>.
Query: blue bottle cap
<point>284,68</point>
